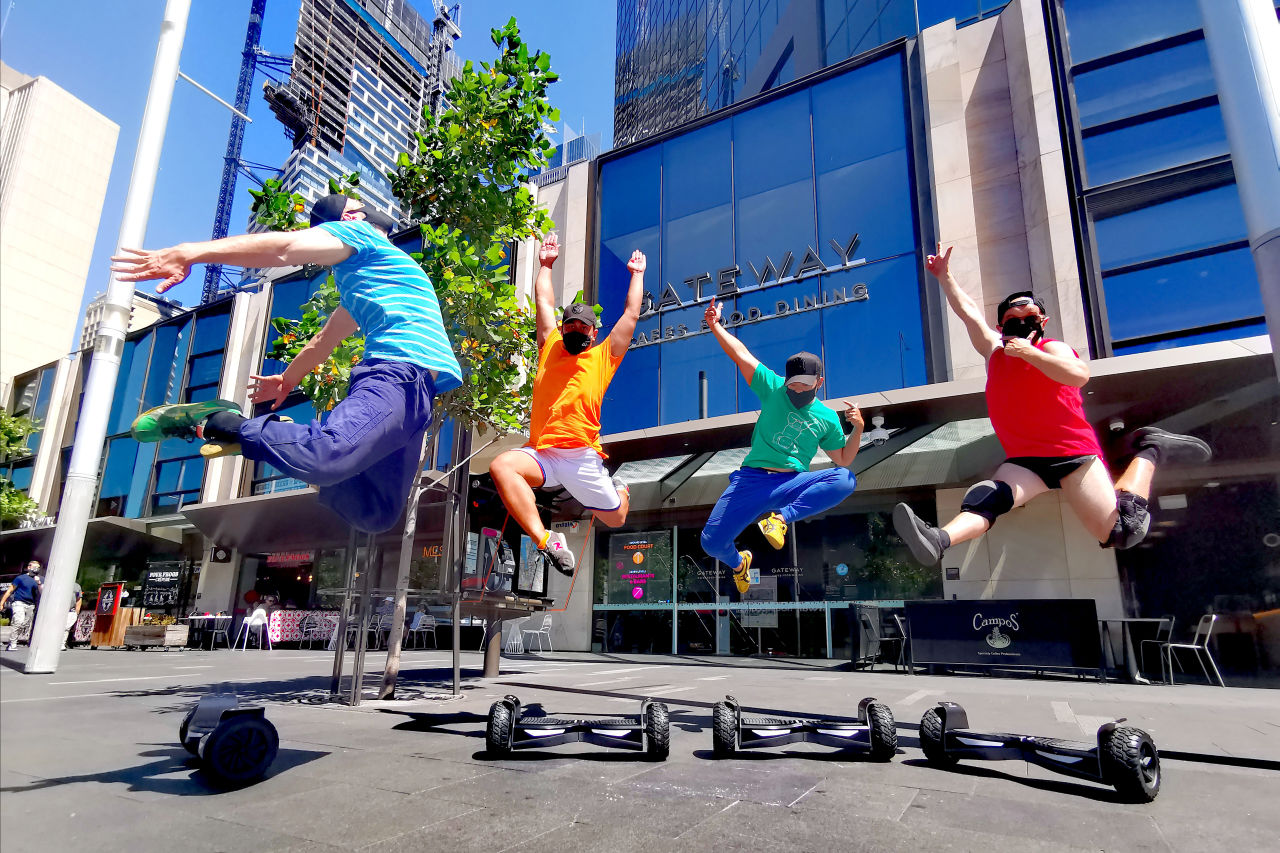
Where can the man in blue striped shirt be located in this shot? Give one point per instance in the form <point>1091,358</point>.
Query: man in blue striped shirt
<point>365,456</point>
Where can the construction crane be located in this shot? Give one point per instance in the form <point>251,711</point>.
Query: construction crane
<point>252,58</point>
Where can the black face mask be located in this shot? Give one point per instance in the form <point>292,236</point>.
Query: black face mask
<point>576,343</point>
<point>379,220</point>
<point>800,399</point>
<point>1028,327</point>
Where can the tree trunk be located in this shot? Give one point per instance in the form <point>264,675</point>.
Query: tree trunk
<point>456,517</point>
<point>396,634</point>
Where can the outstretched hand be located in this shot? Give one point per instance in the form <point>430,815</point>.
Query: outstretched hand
<point>637,262</point>
<point>269,389</point>
<point>712,315</point>
<point>549,250</point>
<point>142,265</point>
<point>939,264</point>
<point>853,415</point>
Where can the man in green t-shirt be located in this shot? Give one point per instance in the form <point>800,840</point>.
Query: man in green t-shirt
<point>774,480</point>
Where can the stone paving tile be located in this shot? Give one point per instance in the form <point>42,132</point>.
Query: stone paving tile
<point>599,837</point>
<point>862,796</point>
<point>666,814</point>
<point>773,783</point>
<point>344,815</point>
<point>479,829</point>
<point>80,817</point>
<point>405,774</point>
<point>1073,823</point>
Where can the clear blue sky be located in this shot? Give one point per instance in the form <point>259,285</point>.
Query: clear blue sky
<point>102,52</point>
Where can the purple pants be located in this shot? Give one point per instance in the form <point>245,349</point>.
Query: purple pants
<point>365,457</point>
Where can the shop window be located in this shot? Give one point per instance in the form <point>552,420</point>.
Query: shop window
<point>1097,28</point>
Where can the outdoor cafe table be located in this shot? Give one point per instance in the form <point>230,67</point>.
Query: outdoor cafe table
<point>285,626</point>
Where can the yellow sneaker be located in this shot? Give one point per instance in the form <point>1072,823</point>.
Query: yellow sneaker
<point>740,577</point>
<point>219,449</point>
<point>774,529</point>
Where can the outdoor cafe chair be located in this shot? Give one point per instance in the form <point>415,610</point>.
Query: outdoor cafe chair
<point>1164,634</point>
<point>313,628</point>
<point>219,627</point>
<point>1200,645</point>
<point>423,624</point>
<point>903,660</point>
<point>544,631</point>
<point>259,621</point>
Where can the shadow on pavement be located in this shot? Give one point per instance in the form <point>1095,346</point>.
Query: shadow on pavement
<point>169,760</point>
<point>436,723</point>
<point>1102,795</point>
<point>844,756</point>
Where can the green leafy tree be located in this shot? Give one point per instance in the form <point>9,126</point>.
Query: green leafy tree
<point>14,431</point>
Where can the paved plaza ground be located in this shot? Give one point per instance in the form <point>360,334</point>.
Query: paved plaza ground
<point>89,760</point>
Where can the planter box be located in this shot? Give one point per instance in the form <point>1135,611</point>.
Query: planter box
<point>163,636</point>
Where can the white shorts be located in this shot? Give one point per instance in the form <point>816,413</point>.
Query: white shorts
<point>581,472</point>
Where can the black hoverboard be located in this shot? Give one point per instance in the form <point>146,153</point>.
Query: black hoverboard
<point>874,731</point>
<point>508,729</point>
<point>235,743</point>
<point>1124,757</point>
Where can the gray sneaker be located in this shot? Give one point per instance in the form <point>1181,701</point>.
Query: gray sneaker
<point>1171,447</point>
<point>558,553</point>
<point>921,537</point>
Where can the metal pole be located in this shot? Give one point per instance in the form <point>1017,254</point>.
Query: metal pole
<point>340,638</point>
<point>703,386</point>
<point>82,474</point>
<point>1243,38</point>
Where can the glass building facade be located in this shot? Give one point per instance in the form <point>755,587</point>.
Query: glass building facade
<point>680,59</point>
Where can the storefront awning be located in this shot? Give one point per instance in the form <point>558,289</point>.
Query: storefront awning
<point>283,521</point>
<point>106,539</point>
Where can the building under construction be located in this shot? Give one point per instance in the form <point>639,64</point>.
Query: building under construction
<point>362,73</point>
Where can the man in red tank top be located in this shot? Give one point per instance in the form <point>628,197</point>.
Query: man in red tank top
<point>1034,402</point>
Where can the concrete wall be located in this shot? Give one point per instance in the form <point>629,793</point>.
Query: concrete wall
<point>52,146</point>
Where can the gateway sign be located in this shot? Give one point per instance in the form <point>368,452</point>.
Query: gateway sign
<point>727,282</point>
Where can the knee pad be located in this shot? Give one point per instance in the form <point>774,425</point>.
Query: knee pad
<point>1132,524</point>
<point>989,499</point>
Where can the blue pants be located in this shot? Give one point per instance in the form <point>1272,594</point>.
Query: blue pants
<point>365,457</point>
<point>754,492</point>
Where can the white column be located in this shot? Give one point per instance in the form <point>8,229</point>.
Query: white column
<point>82,475</point>
<point>1243,37</point>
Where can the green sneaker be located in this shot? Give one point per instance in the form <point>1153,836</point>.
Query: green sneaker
<point>177,420</point>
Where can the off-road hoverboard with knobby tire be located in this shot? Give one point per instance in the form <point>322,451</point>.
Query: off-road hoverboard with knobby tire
<point>235,743</point>
<point>508,729</point>
<point>873,732</point>
<point>1124,757</point>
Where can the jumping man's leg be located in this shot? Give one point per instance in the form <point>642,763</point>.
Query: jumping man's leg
<point>617,517</point>
<point>516,474</point>
<point>750,494</point>
<point>1011,486</point>
<point>1092,495</point>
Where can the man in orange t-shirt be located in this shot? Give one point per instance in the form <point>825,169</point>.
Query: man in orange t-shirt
<point>564,427</point>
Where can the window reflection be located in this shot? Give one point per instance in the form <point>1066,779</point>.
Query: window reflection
<point>1173,76</point>
<point>1097,28</point>
<point>1154,145</point>
<point>1195,221</point>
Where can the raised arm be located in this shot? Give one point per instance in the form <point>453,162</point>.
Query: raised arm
<point>845,455</point>
<point>276,249</point>
<point>736,349</point>
<point>274,389</point>
<point>544,296</point>
<point>984,338</point>
<point>620,336</point>
<point>1057,360</point>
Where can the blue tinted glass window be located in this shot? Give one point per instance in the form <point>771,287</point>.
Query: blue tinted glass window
<point>894,19</point>
<point>773,180</point>
<point>1197,221</point>
<point>632,203</point>
<point>877,343</point>
<point>1097,28</point>
<point>631,400</point>
<point>936,11</point>
<point>1203,291</point>
<point>773,341</point>
<point>167,474</point>
<point>1146,83</point>
<point>683,359</point>
<point>697,209</point>
<point>1155,145</point>
<point>1246,331</point>
<point>20,476</point>
<point>163,371</point>
<point>118,471</point>
<point>211,333</point>
<point>45,394</point>
<point>205,370</point>
<point>128,397</point>
<point>192,473</point>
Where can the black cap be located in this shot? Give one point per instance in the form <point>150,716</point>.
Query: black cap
<point>328,209</point>
<point>804,365</point>
<point>1007,303</point>
<point>582,312</point>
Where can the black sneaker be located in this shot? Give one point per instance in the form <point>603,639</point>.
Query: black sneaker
<point>924,540</point>
<point>1173,449</point>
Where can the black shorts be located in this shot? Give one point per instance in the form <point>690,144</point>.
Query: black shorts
<point>1051,469</point>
